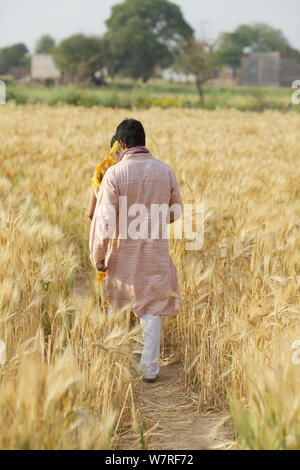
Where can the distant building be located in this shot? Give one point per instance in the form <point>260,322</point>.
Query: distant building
<point>43,68</point>
<point>223,77</point>
<point>19,73</point>
<point>226,75</point>
<point>269,69</point>
<point>171,75</point>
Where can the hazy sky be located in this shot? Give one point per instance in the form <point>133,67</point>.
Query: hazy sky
<point>26,20</point>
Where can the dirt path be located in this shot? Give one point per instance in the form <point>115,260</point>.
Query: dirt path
<point>172,421</point>
<point>170,416</point>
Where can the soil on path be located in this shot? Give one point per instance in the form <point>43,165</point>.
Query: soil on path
<point>171,417</point>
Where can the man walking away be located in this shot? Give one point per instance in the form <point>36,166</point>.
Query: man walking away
<point>139,269</point>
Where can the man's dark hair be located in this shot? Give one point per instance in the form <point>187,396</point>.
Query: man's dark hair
<point>132,133</point>
<point>113,140</point>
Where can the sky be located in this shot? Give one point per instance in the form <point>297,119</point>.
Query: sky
<point>26,20</point>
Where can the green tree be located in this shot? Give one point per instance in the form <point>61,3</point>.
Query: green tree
<point>259,36</point>
<point>230,55</point>
<point>45,44</point>
<point>79,57</point>
<point>198,59</point>
<point>13,56</point>
<point>142,34</point>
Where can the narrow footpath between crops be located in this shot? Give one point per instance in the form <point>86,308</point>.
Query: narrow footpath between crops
<point>169,418</point>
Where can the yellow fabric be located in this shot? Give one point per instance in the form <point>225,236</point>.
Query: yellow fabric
<point>101,169</point>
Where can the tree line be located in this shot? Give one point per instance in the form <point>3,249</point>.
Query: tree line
<point>144,34</point>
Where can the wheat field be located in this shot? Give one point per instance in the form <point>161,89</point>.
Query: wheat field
<point>69,379</point>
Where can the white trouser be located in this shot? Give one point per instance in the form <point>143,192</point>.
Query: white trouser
<point>151,328</point>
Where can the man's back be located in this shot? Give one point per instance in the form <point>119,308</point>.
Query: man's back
<point>140,270</point>
<point>144,180</point>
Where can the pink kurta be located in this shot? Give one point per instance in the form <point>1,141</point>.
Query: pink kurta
<point>140,272</point>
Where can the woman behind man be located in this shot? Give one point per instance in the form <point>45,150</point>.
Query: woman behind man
<point>93,195</point>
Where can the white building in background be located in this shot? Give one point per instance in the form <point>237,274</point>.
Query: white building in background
<point>44,68</point>
<point>169,74</point>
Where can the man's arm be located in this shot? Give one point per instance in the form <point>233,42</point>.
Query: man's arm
<point>92,204</point>
<point>104,220</point>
